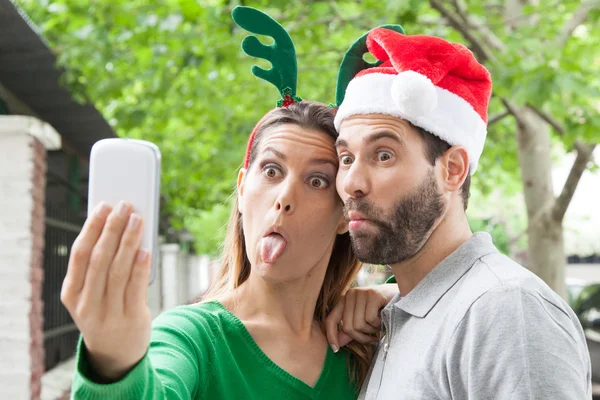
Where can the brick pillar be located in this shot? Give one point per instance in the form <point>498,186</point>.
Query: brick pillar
<point>23,145</point>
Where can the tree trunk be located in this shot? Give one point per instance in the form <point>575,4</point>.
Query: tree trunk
<point>546,255</point>
<point>546,252</point>
<point>545,212</point>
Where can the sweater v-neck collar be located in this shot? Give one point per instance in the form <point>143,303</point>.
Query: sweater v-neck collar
<point>271,366</point>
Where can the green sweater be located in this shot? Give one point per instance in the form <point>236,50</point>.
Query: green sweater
<point>203,351</point>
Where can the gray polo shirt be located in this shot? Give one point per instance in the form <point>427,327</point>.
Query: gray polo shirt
<point>480,326</point>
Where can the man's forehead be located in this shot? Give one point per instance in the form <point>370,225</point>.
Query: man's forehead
<point>365,127</point>
<point>372,121</point>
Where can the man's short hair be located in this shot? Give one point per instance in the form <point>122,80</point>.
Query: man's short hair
<point>434,148</point>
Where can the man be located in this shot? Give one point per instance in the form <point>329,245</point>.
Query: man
<point>469,323</point>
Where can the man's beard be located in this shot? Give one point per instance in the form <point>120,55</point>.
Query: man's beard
<point>402,233</point>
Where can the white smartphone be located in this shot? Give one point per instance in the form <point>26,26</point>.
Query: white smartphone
<point>128,170</point>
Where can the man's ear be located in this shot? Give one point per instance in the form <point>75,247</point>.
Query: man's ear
<point>455,168</point>
<point>240,188</point>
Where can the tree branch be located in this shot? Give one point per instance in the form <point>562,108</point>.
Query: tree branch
<point>584,155</point>
<point>549,120</point>
<point>496,118</point>
<point>468,26</point>
<point>485,33</point>
<point>579,16</point>
<point>513,109</point>
<point>577,19</point>
<point>460,10</point>
<point>476,45</point>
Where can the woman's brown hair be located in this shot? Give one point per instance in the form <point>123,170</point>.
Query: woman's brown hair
<point>343,265</point>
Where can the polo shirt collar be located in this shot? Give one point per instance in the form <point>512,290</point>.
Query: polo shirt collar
<point>421,300</point>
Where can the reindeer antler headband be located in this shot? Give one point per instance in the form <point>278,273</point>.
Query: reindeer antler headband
<point>281,54</point>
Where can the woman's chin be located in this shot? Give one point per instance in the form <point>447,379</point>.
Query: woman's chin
<point>276,272</point>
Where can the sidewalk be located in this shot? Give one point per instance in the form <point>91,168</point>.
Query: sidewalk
<point>56,384</point>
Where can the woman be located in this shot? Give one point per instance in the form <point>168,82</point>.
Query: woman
<point>258,333</point>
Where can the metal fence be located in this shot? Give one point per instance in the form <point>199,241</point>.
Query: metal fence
<point>60,333</point>
<point>591,259</point>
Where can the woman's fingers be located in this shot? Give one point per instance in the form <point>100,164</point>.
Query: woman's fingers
<point>332,323</point>
<point>111,275</point>
<point>343,339</point>
<point>348,319</point>
<point>360,324</point>
<point>81,252</point>
<point>137,287</point>
<point>104,253</point>
<point>372,316</point>
<point>120,270</point>
<point>358,315</point>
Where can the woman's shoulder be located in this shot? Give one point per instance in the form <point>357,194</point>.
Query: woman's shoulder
<point>205,318</point>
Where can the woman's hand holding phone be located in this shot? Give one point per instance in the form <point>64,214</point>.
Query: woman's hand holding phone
<point>105,290</point>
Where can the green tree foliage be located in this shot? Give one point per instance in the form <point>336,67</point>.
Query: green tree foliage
<point>173,72</point>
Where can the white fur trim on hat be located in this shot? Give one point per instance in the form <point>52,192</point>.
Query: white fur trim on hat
<point>414,94</point>
<point>446,115</point>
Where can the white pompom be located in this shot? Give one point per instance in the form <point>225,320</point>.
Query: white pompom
<point>414,94</point>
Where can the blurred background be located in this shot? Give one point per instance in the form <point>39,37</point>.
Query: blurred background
<point>172,72</point>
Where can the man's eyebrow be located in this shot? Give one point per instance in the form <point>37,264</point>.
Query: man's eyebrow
<point>341,143</point>
<point>373,138</point>
<point>384,135</point>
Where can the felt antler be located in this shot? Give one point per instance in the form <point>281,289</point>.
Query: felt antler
<point>281,54</point>
<point>354,62</point>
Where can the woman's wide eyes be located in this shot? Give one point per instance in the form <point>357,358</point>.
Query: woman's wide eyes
<point>271,172</point>
<point>316,182</point>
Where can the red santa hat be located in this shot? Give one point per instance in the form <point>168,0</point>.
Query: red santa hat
<point>436,85</point>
